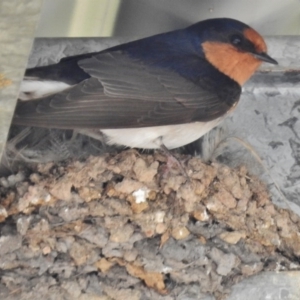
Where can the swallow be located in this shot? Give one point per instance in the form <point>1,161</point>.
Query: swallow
<point>166,90</point>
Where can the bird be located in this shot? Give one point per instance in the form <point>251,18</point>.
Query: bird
<point>162,91</point>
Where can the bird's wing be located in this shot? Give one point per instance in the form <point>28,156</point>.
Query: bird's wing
<point>124,92</point>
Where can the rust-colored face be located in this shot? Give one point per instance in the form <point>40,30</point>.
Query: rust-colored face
<point>256,39</point>
<point>238,65</point>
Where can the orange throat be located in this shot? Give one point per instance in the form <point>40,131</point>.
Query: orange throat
<point>239,66</point>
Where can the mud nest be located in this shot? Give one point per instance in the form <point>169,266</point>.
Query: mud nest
<point>127,226</point>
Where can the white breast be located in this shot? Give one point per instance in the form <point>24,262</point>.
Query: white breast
<point>172,136</point>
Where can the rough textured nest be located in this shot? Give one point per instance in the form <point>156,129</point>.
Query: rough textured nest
<point>126,226</point>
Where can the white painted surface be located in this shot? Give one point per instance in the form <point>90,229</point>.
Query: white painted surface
<point>146,17</point>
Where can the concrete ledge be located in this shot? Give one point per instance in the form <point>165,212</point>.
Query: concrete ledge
<point>18,20</point>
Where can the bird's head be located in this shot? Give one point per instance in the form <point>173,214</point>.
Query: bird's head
<point>232,47</point>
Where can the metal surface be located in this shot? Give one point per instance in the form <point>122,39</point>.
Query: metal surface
<point>18,21</point>
<point>268,286</point>
<point>268,118</point>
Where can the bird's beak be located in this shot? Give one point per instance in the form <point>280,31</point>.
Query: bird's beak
<point>265,57</point>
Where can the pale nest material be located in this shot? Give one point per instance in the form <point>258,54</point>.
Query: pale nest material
<point>123,227</point>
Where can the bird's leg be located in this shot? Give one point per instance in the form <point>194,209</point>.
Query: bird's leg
<point>171,159</point>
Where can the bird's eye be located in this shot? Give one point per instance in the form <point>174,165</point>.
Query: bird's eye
<point>236,40</point>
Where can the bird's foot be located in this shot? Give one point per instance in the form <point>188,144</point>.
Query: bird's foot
<point>172,161</point>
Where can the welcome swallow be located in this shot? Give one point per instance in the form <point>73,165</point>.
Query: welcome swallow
<point>164,90</point>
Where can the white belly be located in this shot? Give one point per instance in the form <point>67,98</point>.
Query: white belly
<point>172,136</point>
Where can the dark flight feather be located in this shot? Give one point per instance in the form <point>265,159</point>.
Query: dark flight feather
<point>121,91</point>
